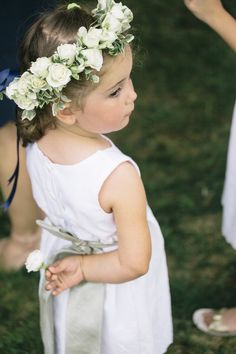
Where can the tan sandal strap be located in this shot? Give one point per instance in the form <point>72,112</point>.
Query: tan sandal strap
<point>216,324</point>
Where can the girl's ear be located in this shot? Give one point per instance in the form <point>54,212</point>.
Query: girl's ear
<point>66,115</point>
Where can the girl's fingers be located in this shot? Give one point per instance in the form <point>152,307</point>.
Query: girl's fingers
<point>56,292</point>
<point>48,286</point>
<point>54,278</point>
<point>55,284</point>
<point>48,274</point>
<point>58,266</point>
<point>57,278</point>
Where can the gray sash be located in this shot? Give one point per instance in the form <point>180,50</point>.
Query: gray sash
<point>85,304</point>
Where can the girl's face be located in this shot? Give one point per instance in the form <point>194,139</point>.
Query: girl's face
<point>109,106</point>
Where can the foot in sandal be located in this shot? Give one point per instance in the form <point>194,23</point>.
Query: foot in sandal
<point>216,322</point>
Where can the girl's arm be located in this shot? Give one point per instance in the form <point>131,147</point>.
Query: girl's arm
<point>213,14</point>
<point>123,194</point>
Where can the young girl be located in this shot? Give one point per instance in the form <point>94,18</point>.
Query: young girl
<point>113,292</point>
<point>213,13</point>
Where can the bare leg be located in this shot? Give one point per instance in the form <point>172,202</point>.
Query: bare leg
<point>24,235</point>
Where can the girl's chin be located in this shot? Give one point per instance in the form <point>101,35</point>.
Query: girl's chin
<point>121,126</point>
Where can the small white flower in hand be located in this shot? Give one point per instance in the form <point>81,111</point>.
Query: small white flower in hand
<point>35,261</point>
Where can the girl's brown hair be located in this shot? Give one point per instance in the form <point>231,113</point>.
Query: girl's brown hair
<point>52,28</point>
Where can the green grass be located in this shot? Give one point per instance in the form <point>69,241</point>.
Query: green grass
<point>178,136</point>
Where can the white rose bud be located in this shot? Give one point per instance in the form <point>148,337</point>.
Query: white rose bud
<point>40,67</point>
<point>58,75</point>
<point>34,261</point>
<point>93,58</point>
<point>25,102</point>
<point>67,52</point>
<point>91,37</point>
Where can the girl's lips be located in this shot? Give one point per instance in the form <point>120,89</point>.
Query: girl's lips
<point>130,112</point>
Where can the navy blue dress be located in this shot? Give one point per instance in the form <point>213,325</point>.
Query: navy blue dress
<point>15,18</point>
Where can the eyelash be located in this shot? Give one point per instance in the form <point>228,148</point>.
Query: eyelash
<point>115,93</point>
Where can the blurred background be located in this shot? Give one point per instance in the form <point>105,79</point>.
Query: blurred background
<point>185,79</point>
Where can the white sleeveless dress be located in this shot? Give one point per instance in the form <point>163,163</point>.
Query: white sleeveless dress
<point>229,194</point>
<point>137,314</point>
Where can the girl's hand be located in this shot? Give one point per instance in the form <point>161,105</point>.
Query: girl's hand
<point>205,10</point>
<point>64,274</point>
<point>214,15</point>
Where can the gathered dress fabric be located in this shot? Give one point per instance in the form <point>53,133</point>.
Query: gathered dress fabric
<point>136,314</point>
<point>229,194</point>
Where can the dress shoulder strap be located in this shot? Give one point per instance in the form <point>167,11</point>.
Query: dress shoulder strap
<point>109,160</point>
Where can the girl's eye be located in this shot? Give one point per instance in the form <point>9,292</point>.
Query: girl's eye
<point>115,93</point>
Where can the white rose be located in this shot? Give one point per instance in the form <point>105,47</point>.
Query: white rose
<point>24,83</point>
<point>117,11</point>
<point>58,75</point>
<point>37,83</point>
<point>93,58</point>
<point>91,37</point>
<point>111,23</point>
<point>67,52</point>
<point>25,102</point>
<point>12,88</point>
<point>40,67</point>
<point>34,261</point>
<point>107,39</point>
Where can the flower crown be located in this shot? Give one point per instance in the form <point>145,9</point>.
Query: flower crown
<point>44,81</point>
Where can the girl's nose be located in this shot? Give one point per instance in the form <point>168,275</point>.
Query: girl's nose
<point>132,95</point>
